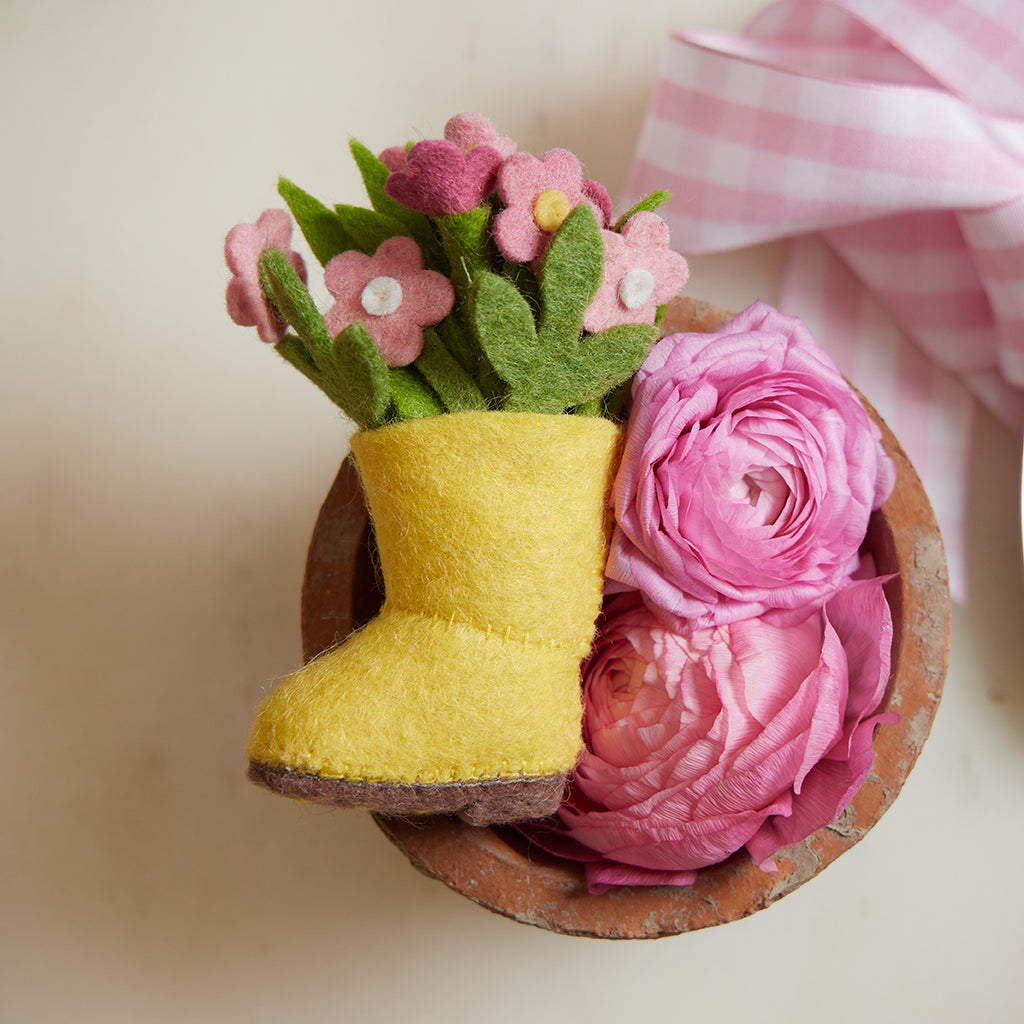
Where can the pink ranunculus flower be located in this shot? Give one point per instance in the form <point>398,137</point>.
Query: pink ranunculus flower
<point>439,179</point>
<point>390,294</point>
<point>246,303</point>
<point>749,472</point>
<point>538,195</point>
<point>753,734</point>
<point>641,273</point>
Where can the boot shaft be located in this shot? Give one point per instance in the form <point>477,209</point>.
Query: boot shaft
<point>495,519</point>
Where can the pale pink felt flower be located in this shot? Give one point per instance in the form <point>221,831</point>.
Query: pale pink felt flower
<point>246,303</point>
<point>753,734</point>
<point>538,195</point>
<point>641,273</point>
<point>439,179</point>
<point>749,473</point>
<point>390,294</point>
<point>470,130</point>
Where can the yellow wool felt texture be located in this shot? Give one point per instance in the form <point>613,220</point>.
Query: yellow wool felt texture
<point>492,530</point>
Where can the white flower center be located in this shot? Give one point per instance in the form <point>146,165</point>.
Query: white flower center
<point>381,296</point>
<point>636,288</point>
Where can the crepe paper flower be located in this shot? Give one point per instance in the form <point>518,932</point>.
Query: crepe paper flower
<point>640,273</point>
<point>749,472</point>
<point>247,305</point>
<point>470,130</point>
<point>538,195</point>
<point>390,294</point>
<point>753,734</point>
<point>439,179</point>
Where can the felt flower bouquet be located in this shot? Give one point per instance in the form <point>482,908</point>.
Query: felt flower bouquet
<point>492,328</point>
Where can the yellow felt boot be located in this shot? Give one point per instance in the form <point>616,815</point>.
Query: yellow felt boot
<point>463,694</point>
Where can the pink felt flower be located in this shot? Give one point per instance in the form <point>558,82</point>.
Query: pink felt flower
<point>749,472</point>
<point>393,158</point>
<point>439,179</point>
<point>752,734</point>
<point>470,130</point>
<point>640,273</point>
<point>243,246</point>
<point>538,196</point>
<point>467,131</point>
<point>390,294</point>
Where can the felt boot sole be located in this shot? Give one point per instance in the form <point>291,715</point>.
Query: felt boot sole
<point>478,803</point>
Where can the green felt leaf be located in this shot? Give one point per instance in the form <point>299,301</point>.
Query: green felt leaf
<point>411,396</point>
<point>368,228</point>
<point>360,377</point>
<point>569,279</point>
<point>600,363</point>
<point>284,288</point>
<point>320,226</point>
<point>650,202</point>
<point>466,241</point>
<point>505,329</point>
<point>453,385</point>
<point>374,173</point>
<point>606,360</point>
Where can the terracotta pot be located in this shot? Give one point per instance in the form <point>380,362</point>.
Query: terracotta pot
<point>494,866</point>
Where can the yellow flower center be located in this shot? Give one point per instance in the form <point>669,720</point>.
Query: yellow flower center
<point>550,209</point>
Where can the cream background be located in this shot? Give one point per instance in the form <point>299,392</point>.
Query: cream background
<point>161,471</point>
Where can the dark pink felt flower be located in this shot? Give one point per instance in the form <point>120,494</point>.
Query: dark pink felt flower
<point>439,179</point>
<point>749,472</point>
<point>390,294</point>
<point>641,273</point>
<point>243,246</point>
<point>538,195</point>
<point>467,131</point>
<point>752,734</point>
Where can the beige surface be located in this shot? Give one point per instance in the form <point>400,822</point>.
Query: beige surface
<point>161,473</point>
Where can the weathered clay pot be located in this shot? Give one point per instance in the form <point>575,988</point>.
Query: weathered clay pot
<point>496,868</point>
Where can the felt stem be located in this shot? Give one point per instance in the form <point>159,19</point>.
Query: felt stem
<point>615,399</point>
<point>453,385</point>
<point>293,350</point>
<point>411,397</point>
<point>649,202</point>
<point>320,226</point>
<point>461,344</point>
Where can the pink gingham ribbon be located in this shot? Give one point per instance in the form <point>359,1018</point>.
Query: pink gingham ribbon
<point>887,139</point>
